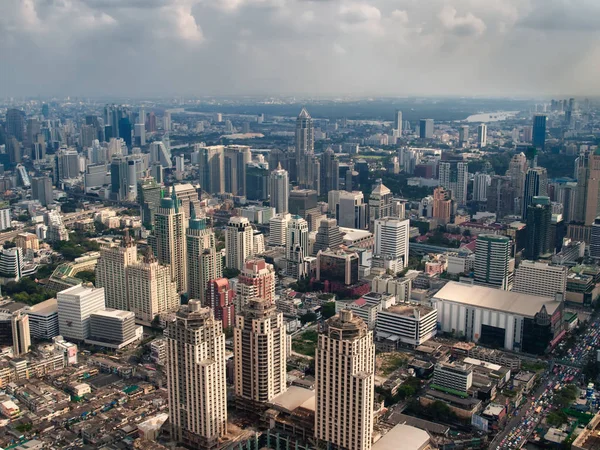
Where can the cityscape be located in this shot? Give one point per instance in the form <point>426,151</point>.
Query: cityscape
<point>299,225</point>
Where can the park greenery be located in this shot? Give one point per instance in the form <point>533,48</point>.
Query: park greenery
<point>306,343</point>
<point>27,291</point>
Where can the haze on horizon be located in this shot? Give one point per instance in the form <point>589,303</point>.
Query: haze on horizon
<point>158,48</point>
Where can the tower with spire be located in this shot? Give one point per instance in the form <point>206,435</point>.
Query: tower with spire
<point>305,148</point>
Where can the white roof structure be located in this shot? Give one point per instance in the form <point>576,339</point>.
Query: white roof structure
<point>495,299</point>
<point>411,438</point>
<point>295,397</point>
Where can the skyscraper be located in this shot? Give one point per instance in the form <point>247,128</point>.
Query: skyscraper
<point>75,305</point>
<point>541,279</point>
<point>398,122</point>
<point>454,175</point>
<point>463,135</point>
<point>481,181</point>
<point>380,203</point>
<point>330,171</point>
<point>257,181</point>
<point>595,239</point>
<point>539,131</point>
<point>539,218</point>
<point>278,229</point>
<point>517,170</point>
<point>223,168</point>
<point>151,289</point>
<point>588,188</point>
<point>15,124</point>
<point>426,128</point>
<point>442,205</point>
<point>111,272</point>
<point>280,190</point>
<point>149,195</point>
<point>256,280</point>
<point>203,261</point>
<point>296,246</point>
<point>238,242</point>
<point>349,209</point>
<point>305,148</point>
<point>391,238</point>
<point>21,336</point>
<point>328,236</point>
<point>482,135</point>
<point>41,189</point>
<point>344,383</point>
<point>196,377</point>
<point>494,266</point>
<point>168,239</point>
<point>259,340</point>
<point>536,184</point>
<point>219,297</point>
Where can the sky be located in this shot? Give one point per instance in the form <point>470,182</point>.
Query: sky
<point>155,48</point>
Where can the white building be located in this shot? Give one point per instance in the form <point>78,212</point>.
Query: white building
<point>238,242</point>
<point>481,182</point>
<point>43,319</point>
<point>391,238</point>
<point>493,264</point>
<point>279,190</point>
<point>75,305</point>
<point>482,135</point>
<point>296,246</point>
<point>278,229</point>
<point>455,176</point>
<point>399,287</point>
<point>541,279</point>
<point>4,219</point>
<point>11,263</point>
<point>412,324</point>
<point>453,377</point>
<point>366,311</point>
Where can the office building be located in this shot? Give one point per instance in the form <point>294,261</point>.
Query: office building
<point>223,168</point>
<point>15,124</point>
<point>11,263</point>
<point>595,239</point>
<point>111,272</point>
<point>149,193</point>
<point>391,238</point>
<point>330,171</point>
<point>41,190</point>
<point>453,378</point>
<point>278,229</point>
<point>482,135</point>
<point>113,328</point>
<point>258,181</point>
<point>219,297</point>
<point>481,181</point>
<point>151,290</point>
<point>305,149</point>
<point>426,129</point>
<point>160,154</point>
<point>204,263</point>
<point>500,198</point>
<point>540,279</point>
<point>588,188</point>
<point>454,175</point>
<point>260,351</point>
<point>349,209</point>
<point>539,131</point>
<point>296,246</point>
<point>67,164</point>
<point>43,319</point>
<point>75,306</point>
<point>499,319</point>
<point>239,244</point>
<point>187,194</point>
<point>494,266</point>
<point>280,190</point>
<point>539,219</point>
<point>517,170</point>
<point>196,378</point>
<point>301,201</point>
<point>398,122</point>
<point>442,205</point>
<point>536,185</point>
<point>463,135</point>
<point>344,383</point>
<point>328,236</point>
<point>21,337</point>
<point>380,203</point>
<point>337,267</point>
<point>168,239</point>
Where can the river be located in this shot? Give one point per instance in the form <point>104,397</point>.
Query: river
<point>491,117</point>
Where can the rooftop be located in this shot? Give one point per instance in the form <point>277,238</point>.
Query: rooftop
<point>45,308</point>
<point>295,397</point>
<point>495,299</point>
<point>114,313</point>
<point>412,438</point>
<point>409,310</point>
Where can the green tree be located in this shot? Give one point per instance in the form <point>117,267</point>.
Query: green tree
<point>308,317</point>
<point>230,272</point>
<point>87,276</point>
<point>328,310</point>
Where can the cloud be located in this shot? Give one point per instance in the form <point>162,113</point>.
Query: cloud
<point>357,47</point>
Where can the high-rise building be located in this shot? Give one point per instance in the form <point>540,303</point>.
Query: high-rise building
<point>256,280</point>
<point>149,194</point>
<point>111,272</point>
<point>517,170</point>
<point>188,196</point>
<point>380,203</point>
<point>539,131</point>
<point>75,305</point>
<point>260,351</point>
<point>168,240</point>
<point>67,163</point>
<point>566,195</point>
<point>41,190</point>
<point>344,383</point>
<point>349,209</point>
<point>540,279</point>
<point>426,128</point>
<point>21,337</point>
<point>330,171</point>
<point>239,243</point>
<point>43,319</point>
<point>463,135</point>
<point>481,181</point>
<point>454,175</point>
<point>391,238</point>
<point>257,181</point>
<point>328,236</point>
<point>280,190</point>
<point>204,263</point>
<point>595,239</point>
<point>278,229</point>
<point>223,168</point>
<point>536,185</point>
<point>398,122</point>
<point>539,219</point>
<point>296,246</point>
<point>151,289</point>
<point>160,154</point>
<point>15,124</point>
<point>482,135</point>
<point>588,188</point>
<point>305,148</point>
<point>453,377</point>
<point>302,200</point>
<point>11,263</point>
<point>220,298</point>
<point>196,377</point>
<point>500,198</point>
<point>494,266</point>
<point>442,205</point>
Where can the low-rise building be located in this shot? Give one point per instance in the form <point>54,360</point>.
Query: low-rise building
<point>412,324</point>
